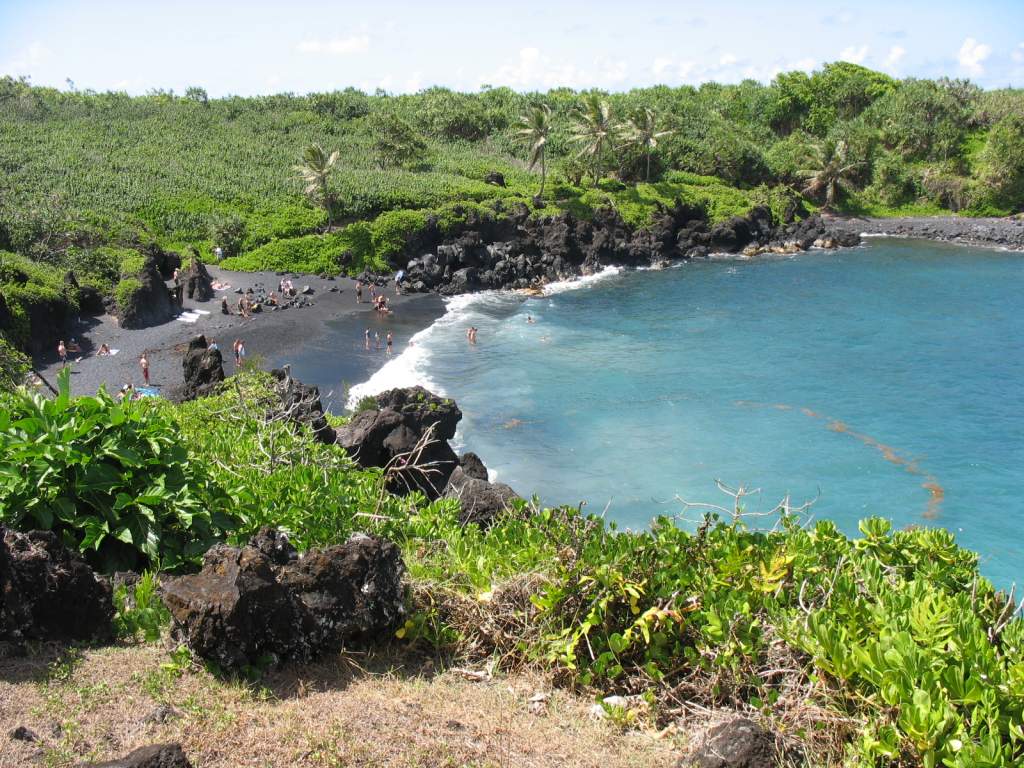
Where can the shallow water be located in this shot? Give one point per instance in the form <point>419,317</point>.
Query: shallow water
<point>884,380</point>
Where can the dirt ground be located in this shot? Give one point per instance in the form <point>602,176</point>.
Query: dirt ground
<point>99,704</point>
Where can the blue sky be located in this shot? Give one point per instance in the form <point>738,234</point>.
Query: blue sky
<point>265,46</point>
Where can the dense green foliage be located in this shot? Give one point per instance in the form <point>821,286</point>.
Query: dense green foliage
<point>111,478</point>
<point>884,650</point>
<point>84,171</point>
<point>32,292</point>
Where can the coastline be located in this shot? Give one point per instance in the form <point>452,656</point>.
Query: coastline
<point>277,338</point>
<point>982,232</point>
<point>299,336</point>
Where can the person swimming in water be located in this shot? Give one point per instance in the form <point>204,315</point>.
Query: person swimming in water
<point>390,341</point>
<point>529,319</point>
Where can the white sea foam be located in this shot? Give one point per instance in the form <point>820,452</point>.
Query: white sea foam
<point>580,282</point>
<point>410,368</point>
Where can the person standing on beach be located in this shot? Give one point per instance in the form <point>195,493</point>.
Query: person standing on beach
<point>391,341</point>
<point>62,352</point>
<point>144,364</point>
<point>241,352</point>
<point>234,349</point>
<point>359,292</point>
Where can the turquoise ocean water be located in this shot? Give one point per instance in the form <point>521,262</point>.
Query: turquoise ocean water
<point>883,380</point>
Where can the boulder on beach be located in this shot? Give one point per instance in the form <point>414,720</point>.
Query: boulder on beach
<point>48,592</point>
<point>196,280</point>
<point>203,369</point>
<point>150,304</point>
<point>246,608</point>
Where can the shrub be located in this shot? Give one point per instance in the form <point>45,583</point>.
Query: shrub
<point>1002,162</point>
<point>395,142</point>
<point>392,230</point>
<point>228,232</point>
<point>113,479</point>
<point>124,292</point>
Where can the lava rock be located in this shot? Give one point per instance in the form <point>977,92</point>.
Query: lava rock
<point>353,590</point>
<point>275,545</point>
<point>196,280</point>
<point>738,743</point>
<point>203,368</point>
<point>408,433</point>
<point>234,612</point>
<point>151,304</point>
<point>495,178</point>
<point>153,756</point>
<point>21,733</point>
<point>301,403</point>
<point>421,409</point>
<point>241,610</point>
<point>480,501</point>
<point>48,592</point>
<point>472,466</point>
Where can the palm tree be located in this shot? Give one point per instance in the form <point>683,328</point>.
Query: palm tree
<point>642,131</point>
<point>594,129</point>
<point>535,126</point>
<point>315,170</point>
<point>832,172</point>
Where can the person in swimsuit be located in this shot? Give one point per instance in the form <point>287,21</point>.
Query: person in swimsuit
<point>391,341</point>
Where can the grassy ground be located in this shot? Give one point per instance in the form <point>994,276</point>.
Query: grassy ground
<point>352,710</point>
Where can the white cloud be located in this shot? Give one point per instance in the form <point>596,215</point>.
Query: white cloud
<point>28,60</point>
<point>338,46</point>
<point>895,54</point>
<point>414,83</point>
<point>727,60</point>
<point>661,65</point>
<point>972,54</point>
<point>854,55</point>
<point>533,70</point>
<point>1018,53</point>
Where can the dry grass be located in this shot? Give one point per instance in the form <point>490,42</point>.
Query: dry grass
<point>352,711</point>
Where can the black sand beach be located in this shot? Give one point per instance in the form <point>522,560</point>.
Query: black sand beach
<point>295,336</point>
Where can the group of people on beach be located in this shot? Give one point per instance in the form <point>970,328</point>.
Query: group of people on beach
<point>390,340</point>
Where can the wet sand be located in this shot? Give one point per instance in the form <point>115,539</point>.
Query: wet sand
<point>273,338</point>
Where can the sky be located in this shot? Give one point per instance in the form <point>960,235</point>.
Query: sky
<point>300,46</point>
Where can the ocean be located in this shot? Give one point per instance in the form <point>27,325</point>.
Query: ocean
<point>882,380</point>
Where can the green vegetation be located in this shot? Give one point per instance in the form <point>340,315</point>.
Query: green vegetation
<point>86,175</point>
<point>111,478</point>
<point>888,649</point>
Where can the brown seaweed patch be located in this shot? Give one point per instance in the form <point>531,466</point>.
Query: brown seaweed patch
<point>938,493</point>
<point>809,412</point>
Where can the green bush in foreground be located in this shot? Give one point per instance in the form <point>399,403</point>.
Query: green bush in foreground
<point>111,478</point>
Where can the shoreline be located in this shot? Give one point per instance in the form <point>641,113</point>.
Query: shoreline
<point>276,338</point>
<point>298,336</point>
<point>1007,232</point>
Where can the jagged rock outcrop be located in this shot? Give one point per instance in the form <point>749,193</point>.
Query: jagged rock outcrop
<point>472,466</point>
<point>737,743</point>
<point>517,251</point>
<point>152,756</point>
<point>203,369</point>
<point>243,609</point>
<point>151,304</point>
<point>301,404</point>
<point>408,432</point>
<point>196,280</point>
<point>48,592</point>
<point>481,501</point>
